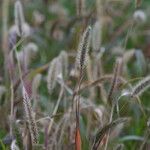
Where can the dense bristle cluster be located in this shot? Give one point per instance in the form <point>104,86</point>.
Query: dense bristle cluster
<point>142,86</point>
<point>83,49</point>
<point>30,116</point>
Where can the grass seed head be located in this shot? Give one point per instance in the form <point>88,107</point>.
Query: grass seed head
<point>142,86</point>
<point>83,49</point>
<point>30,116</point>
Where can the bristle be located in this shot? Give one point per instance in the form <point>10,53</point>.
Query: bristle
<point>83,49</point>
<point>142,86</point>
<point>30,116</point>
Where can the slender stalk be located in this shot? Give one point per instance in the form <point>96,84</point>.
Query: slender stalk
<point>5,11</point>
<point>12,109</point>
<point>77,134</point>
<point>110,120</point>
<point>55,109</point>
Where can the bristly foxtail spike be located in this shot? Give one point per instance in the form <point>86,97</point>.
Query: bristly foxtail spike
<point>142,86</point>
<point>83,49</point>
<point>30,116</point>
<point>19,17</point>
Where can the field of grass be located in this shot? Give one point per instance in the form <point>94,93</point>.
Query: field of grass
<point>74,75</point>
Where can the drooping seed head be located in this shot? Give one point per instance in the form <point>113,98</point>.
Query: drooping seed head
<point>142,86</point>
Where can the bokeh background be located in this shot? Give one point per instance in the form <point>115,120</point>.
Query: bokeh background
<point>56,26</point>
